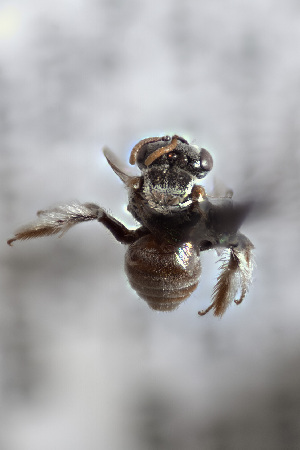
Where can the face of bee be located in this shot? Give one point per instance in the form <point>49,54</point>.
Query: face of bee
<point>169,172</point>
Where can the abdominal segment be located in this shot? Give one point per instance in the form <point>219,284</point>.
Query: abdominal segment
<point>162,275</point>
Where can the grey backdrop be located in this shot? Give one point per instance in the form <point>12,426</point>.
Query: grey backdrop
<point>84,363</point>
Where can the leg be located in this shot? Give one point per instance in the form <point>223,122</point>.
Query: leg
<point>236,274</point>
<point>119,231</point>
<point>57,220</point>
<point>62,218</point>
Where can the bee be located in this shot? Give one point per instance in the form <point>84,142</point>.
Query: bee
<point>178,221</point>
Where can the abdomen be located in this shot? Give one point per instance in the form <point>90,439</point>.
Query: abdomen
<point>163,275</point>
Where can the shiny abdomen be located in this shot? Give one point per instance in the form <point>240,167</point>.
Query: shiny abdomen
<point>163,275</point>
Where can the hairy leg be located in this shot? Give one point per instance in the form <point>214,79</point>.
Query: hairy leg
<point>235,275</point>
<point>60,219</point>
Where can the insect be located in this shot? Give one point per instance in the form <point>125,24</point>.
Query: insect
<point>178,221</point>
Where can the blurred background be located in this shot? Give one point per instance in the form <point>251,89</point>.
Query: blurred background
<point>84,363</point>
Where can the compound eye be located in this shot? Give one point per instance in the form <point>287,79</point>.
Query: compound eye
<point>206,160</point>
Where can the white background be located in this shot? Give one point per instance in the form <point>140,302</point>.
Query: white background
<point>84,363</point>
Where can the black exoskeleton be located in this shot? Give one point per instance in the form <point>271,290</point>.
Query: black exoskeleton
<point>178,221</point>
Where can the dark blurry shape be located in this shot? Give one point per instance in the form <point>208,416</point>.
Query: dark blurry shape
<point>178,221</point>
